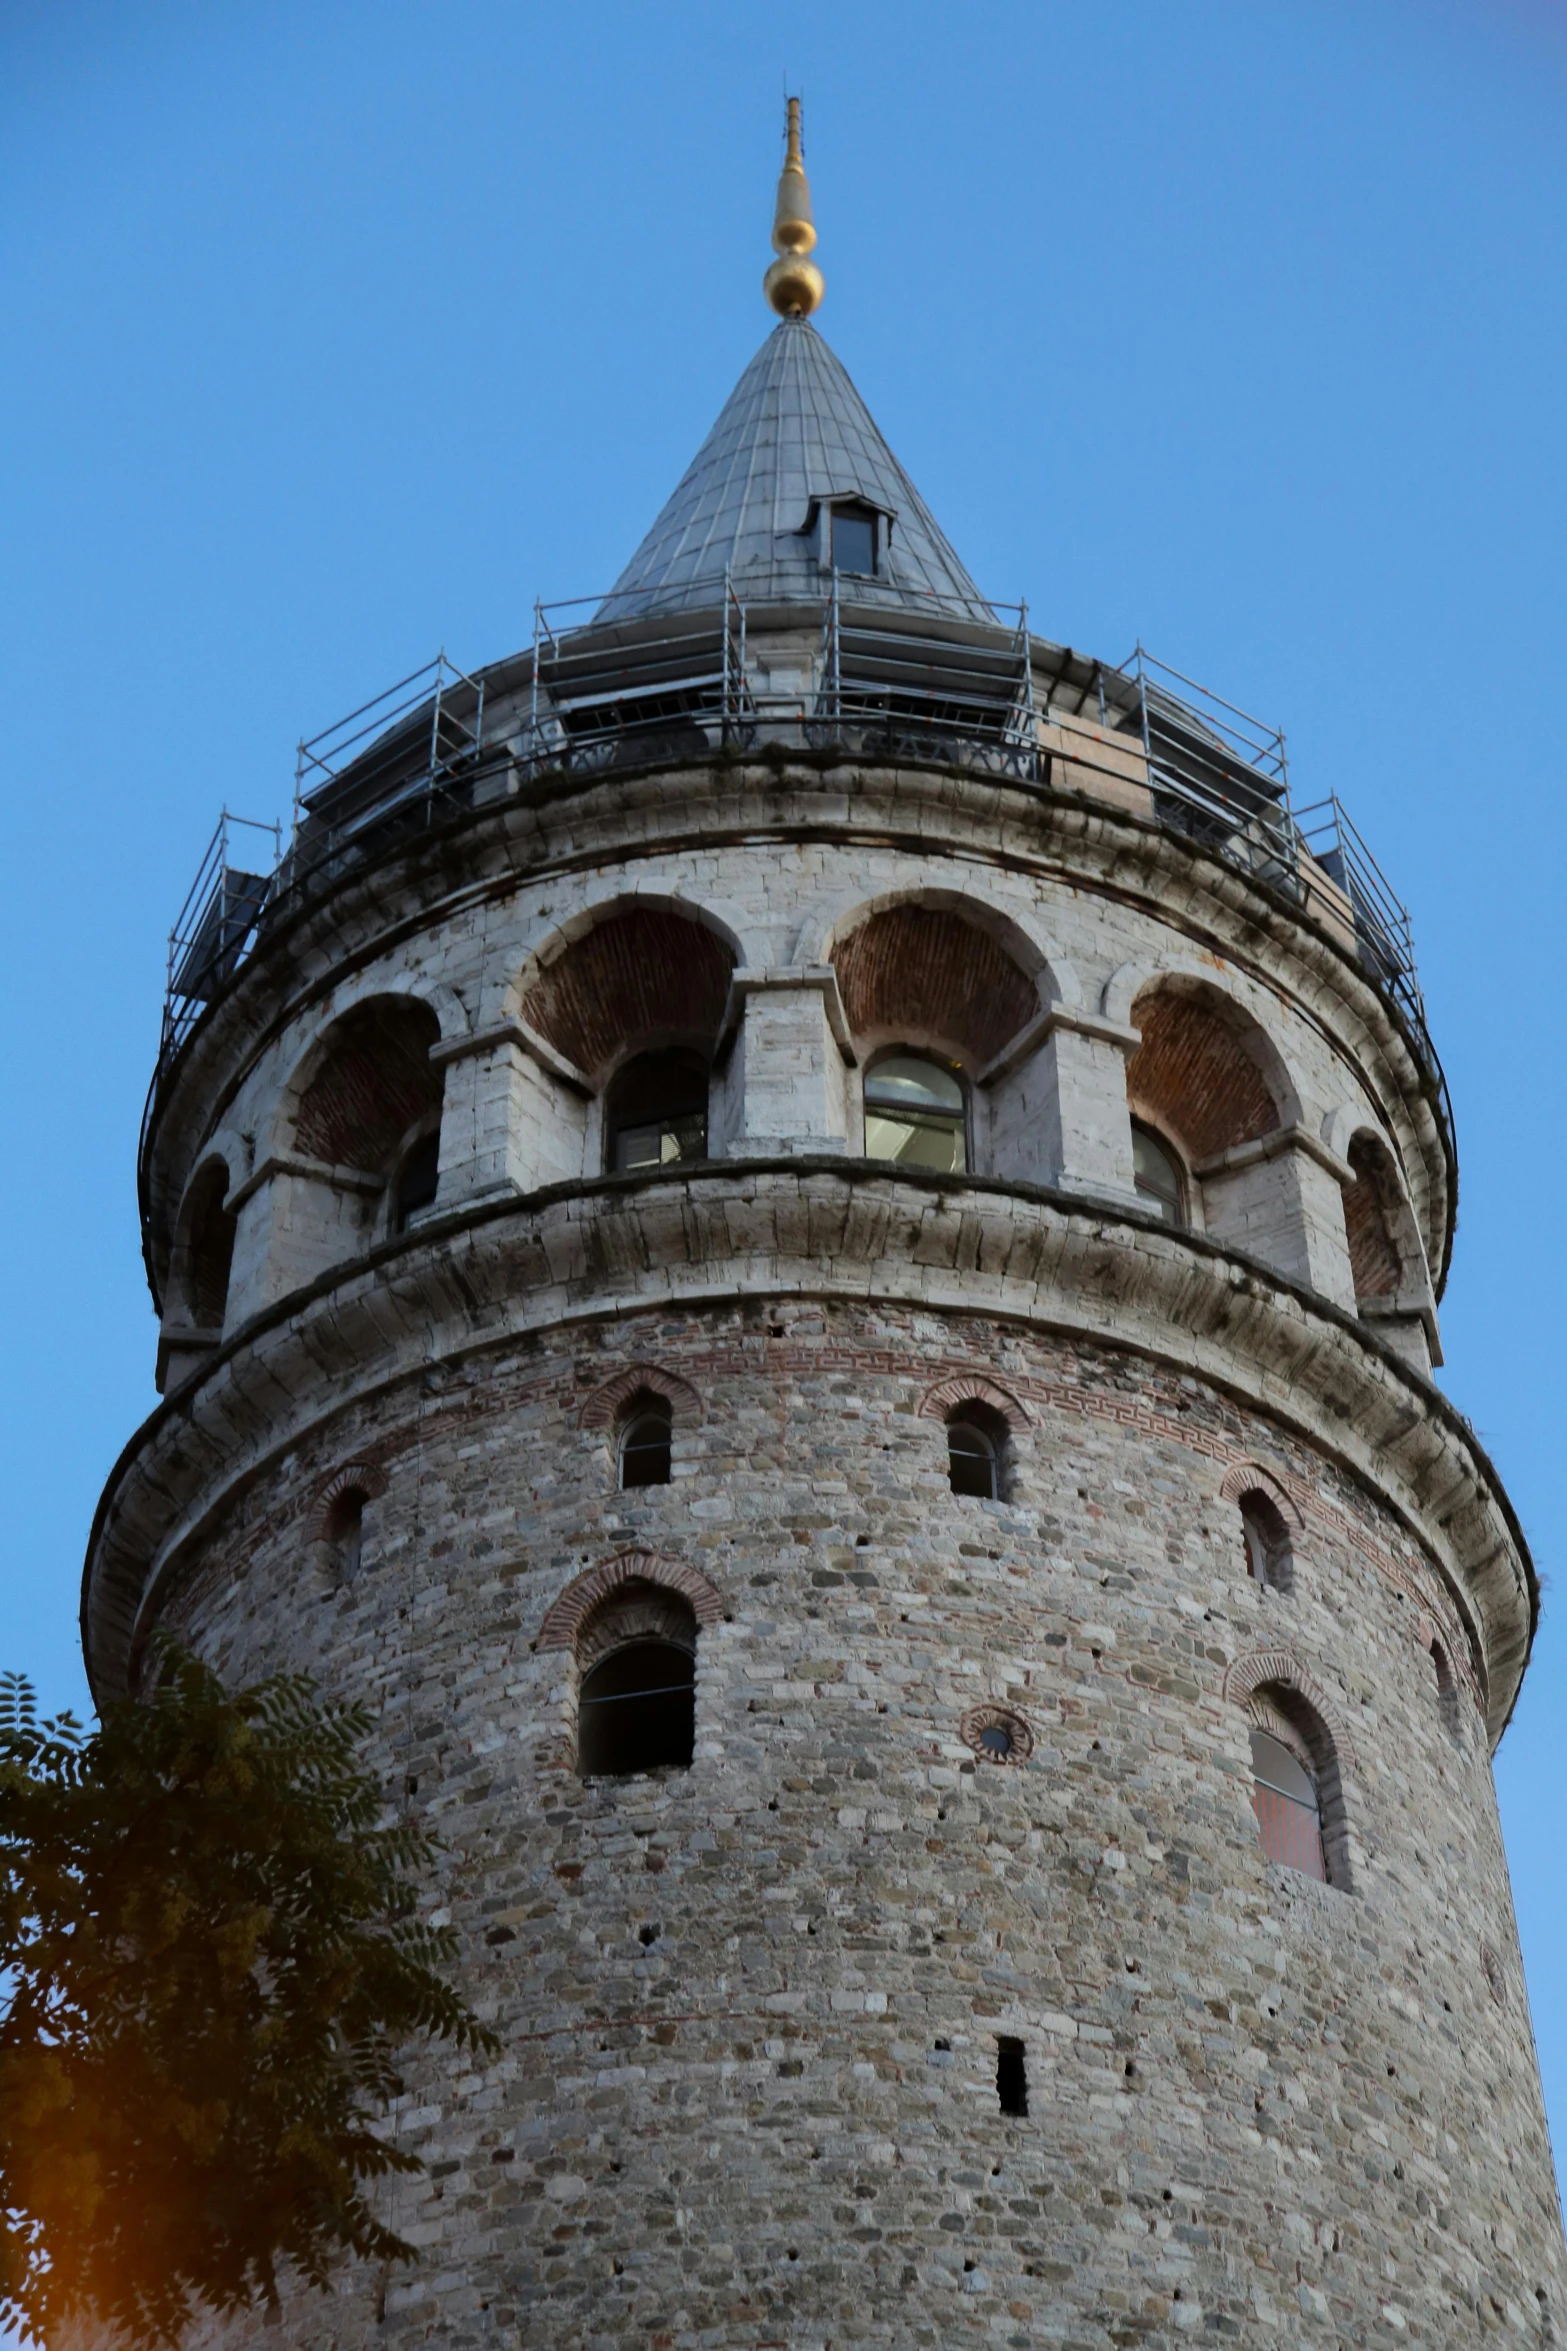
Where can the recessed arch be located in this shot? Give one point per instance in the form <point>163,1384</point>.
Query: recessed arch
<point>1384,1247</point>
<point>1206,1072</point>
<point>596,1586</point>
<point>626,976</point>
<point>203,1254</point>
<point>949,1395</point>
<point>1261,1669</point>
<point>1248,1476</point>
<point>366,1084</point>
<point>609,1399</point>
<point>935,968</point>
<point>355,1477</point>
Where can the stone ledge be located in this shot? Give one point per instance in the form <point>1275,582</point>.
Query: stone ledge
<point>681,1240</point>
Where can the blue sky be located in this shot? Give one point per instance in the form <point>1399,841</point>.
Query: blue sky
<point>337,332</point>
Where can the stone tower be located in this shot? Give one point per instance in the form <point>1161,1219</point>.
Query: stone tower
<point>801,1231</point>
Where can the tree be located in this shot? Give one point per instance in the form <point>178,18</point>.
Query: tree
<point>209,1958</point>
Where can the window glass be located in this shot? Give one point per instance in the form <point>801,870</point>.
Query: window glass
<point>971,1460</point>
<point>644,1445</point>
<point>914,1113</point>
<point>1288,1815</point>
<point>657,1111</point>
<point>637,1710</point>
<point>854,539</point>
<point>1157,1175</point>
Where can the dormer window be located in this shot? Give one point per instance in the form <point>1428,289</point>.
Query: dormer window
<point>854,540</point>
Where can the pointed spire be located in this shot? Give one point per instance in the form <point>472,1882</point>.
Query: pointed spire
<point>793,285</point>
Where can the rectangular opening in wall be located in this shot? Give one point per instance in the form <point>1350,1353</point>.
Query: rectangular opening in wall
<point>1011,2076</point>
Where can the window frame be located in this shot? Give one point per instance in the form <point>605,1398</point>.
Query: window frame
<point>857,511</point>
<point>1181,1220</point>
<point>958,1122</point>
<point>617,1123</point>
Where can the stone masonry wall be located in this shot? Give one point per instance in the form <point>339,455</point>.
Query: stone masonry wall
<point>750,2012</point>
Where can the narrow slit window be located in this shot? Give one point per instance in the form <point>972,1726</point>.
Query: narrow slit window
<point>1289,1811</point>
<point>646,1435</point>
<point>1267,1541</point>
<point>637,1711</point>
<point>345,1530</point>
<point>1011,2076</point>
<point>1156,1175</point>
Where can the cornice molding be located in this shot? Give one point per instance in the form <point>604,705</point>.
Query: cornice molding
<point>580,1253</point>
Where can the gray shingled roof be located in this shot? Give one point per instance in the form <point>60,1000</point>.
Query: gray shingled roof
<point>794,430</point>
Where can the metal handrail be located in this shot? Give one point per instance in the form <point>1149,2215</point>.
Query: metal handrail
<point>886,684</point>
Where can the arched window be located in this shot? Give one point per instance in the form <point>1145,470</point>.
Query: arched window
<point>416,1181</point>
<point>1157,1174</point>
<point>976,1451</point>
<point>914,1113</point>
<point>1289,1809</point>
<point>1446,1691</point>
<point>345,1530</point>
<point>656,1113</point>
<point>206,1256</point>
<point>636,1702</point>
<point>1267,1541</point>
<point>643,1442</point>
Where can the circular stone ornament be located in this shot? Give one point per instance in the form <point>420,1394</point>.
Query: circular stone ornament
<point>996,1734</point>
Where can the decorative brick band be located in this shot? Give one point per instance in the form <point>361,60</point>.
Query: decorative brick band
<point>566,1615</point>
<point>1261,1667</point>
<point>604,1406</point>
<point>355,1477</point>
<point>967,1388</point>
<point>1249,1477</point>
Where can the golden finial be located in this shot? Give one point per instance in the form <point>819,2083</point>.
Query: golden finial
<point>793,285</point>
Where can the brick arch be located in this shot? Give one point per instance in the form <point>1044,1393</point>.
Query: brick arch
<point>355,1477</point>
<point>1377,1219</point>
<point>203,1252</point>
<point>934,973</point>
<point>944,1398</point>
<point>367,1081</point>
<point>609,1399</point>
<point>1261,1668</point>
<point>566,1615</point>
<point>632,974</point>
<point>1249,1477</point>
<point>1205,1072</point>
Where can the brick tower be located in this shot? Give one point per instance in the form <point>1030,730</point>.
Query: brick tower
<point>801,1231</point>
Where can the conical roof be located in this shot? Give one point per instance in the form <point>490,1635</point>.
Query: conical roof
<point>793,433</point>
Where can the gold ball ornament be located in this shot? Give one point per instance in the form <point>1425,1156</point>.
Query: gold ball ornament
<point>794,286</point>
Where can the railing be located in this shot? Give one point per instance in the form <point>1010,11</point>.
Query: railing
<point>871,680</point>
<point>213,929</point>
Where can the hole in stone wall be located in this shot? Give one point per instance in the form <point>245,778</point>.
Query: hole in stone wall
<point>1011,2076</point>
<point>646,1434</point>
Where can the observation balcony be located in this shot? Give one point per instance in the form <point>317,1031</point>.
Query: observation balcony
<point>594,695</point>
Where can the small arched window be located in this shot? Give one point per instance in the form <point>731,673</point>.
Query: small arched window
<point>656,1113</point>
<point>914,1113</point>
<point>345,1530</point>
<point>1157,1175</point>
<point>1267,1541</point>
<point>1289,1809</point>
<point>976,1451</point>
<point>1446,1691</point>
<point>417,1180</point>
<point>636,1702</point>
<point>643,1444</point>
